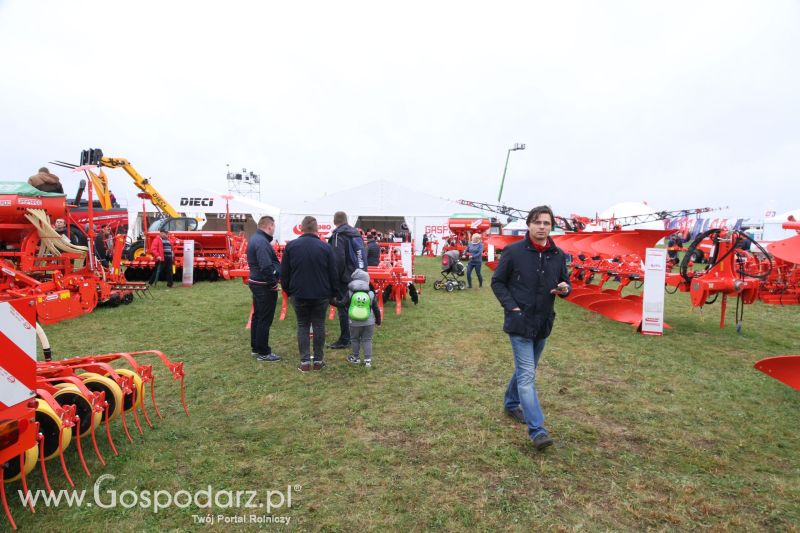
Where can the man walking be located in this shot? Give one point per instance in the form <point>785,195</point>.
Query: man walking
<point>265,272</point>
<point>309,278</point>
<point>349,254</point>
<point>530,273</point>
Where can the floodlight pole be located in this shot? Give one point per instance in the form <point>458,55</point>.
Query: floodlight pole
<point>517,146</point>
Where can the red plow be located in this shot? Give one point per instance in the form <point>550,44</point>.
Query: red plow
<point>602,259</point>
<point>49,405</point>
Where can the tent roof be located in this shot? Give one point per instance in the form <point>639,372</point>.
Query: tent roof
<point>379,198</point>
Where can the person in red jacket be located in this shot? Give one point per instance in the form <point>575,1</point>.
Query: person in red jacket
<point>161,250</point>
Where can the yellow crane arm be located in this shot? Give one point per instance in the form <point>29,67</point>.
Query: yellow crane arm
<point>142,183</point>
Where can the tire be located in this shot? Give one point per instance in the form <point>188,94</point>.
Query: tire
<point>96,382</point>
<point>438,284</point>
<point>461,285</point>
<point>698,256</point>
<point>450,286</point>
<point>412,292</point>
<point>69,394</point>
<point>135,250</point>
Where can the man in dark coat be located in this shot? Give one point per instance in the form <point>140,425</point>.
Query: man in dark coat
<point>349,254</point>
<point>530,273</point>
<point>265,272</point>
<point>373,250</point>
<point>310,280</point>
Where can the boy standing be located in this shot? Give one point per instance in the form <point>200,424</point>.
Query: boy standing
<point>364,314</point>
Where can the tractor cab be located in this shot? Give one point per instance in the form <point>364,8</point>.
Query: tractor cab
<point>174,224</point>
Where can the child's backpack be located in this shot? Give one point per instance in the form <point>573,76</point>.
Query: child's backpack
<point>359,306</point>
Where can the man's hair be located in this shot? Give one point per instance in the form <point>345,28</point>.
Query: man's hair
<point>542,209</point>
<point>163,231</point>
<point>264,220</point>
<point>44,169</point>
<point>339,218</point>
<point>309,225</point>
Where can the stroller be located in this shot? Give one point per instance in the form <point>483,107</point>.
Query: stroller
<point>452,268</point>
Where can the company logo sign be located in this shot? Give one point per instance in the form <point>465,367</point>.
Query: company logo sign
<point>197,201</point>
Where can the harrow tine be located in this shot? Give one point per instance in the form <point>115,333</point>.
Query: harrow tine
<point>40,437</point>
<point>94,443</point>
<point>5,502</point>
<point>144,411</point>
<point>153,397</point>
<point>24,479</point>
<point>108,433</point>
<point>61,457</point>
<point>78,444</point>
<point>125,425</point>
<point>183,398</point>
<point>136,419</point>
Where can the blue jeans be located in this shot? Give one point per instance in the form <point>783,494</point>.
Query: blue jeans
<point>522,386</point>
<point>477,268</point>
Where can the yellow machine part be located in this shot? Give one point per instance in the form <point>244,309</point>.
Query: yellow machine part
<point>12,471</point>
<point>96,382</point>
<point>50,426</point>
<point>138,386</point>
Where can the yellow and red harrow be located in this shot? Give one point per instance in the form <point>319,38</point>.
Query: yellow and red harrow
<point>48,405</point>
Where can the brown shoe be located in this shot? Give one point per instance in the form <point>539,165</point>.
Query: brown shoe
<point>304,367</point>
<point>319,365</point>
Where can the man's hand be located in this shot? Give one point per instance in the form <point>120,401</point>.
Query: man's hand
<point>562,289</point>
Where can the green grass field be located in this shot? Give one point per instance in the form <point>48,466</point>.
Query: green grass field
<point>651,433</point>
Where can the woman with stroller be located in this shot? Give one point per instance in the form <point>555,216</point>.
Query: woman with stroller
<point>475,253</point>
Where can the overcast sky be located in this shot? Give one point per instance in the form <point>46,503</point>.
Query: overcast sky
<point>680,104</point>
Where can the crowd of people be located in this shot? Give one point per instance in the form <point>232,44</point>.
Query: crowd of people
<point>316,274</point>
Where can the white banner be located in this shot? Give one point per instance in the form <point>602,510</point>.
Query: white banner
<point>289,227</point>
<point>655,271</point>
<point>490,253</point>
<point>435,227</point>
<point>405,257</point>
<point>188,263</point>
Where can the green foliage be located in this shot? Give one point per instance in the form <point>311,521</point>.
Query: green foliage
<point>656,433</point>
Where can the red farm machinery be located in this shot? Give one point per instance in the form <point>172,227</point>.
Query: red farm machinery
<point>48,406</point>
<point>215,252</point>
<point>65,280</point>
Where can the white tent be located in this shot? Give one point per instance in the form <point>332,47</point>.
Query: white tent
<point>423,213</point>
<point>773,230</point>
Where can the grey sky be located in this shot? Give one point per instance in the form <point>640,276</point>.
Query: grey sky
<point>681,104</point>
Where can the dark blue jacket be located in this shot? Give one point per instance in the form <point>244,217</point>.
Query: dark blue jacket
<point>262,260</point>
<point>373,253</point>
<point>524,279</point>
<point>349,253</point>
<point>475,252</point>
<point>308,268</point>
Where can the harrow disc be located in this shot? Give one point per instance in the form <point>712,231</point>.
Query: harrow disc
<point>50,426</point>
<point>11,470</point>
<point>96,382</point>
<point>133,399</point>
<point>69,394</point>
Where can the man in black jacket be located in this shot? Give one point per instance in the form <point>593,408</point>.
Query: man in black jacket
<point>530,273</point>
<point>264,276</point>
<point>373,250</point>
<point>349,254</point>
<point>309,278</point>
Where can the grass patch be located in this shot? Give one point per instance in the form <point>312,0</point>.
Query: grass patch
<point>676,432</point>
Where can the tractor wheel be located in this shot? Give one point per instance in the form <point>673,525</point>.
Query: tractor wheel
<point>50,426</point>
<point>11,470</point>
<point>96,383</point>
<point>69,394</point>
<point>127,298</point>
<point>136,249</point>
<point>438,284</point>
<point>698,256</point>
